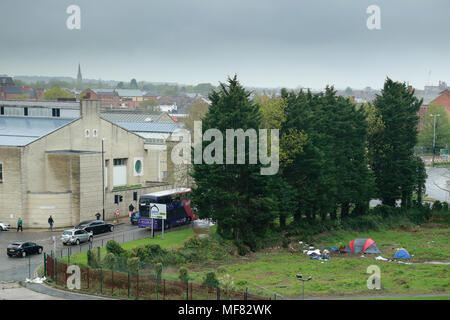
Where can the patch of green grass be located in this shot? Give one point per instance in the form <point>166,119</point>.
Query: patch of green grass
<point>416,298</point>
<point>172,239</point>
<point>273,271</point>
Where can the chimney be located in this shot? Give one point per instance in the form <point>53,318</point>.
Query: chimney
<point>90,108</point>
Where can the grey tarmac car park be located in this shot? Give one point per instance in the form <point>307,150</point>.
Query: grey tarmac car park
<point>17,269</point>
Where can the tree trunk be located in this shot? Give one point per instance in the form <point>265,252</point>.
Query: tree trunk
<point>282,221</point>
<point>345,207</point>
<point>333,214</point>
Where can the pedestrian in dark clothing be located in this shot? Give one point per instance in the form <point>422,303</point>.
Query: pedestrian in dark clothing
<point>19,225</point>
<point>98,215</point>
<point>50,222</point>
<point>131,209</point>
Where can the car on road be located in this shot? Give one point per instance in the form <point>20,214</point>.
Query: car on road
<point>95,226</point>
<point>23,249</point>
<point>76,236</point>
<point>4,226</point>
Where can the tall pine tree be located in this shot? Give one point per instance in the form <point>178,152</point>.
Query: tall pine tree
<point>391,143</point>
<point>234,195</point>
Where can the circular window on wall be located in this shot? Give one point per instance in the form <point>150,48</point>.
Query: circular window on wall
<point>138,166</point>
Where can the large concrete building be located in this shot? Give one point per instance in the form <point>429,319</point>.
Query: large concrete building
<point>53,166</point>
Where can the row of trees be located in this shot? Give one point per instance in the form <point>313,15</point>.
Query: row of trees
<point>335,157</point>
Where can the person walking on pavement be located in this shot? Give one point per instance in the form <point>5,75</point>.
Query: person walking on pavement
<point>98,215</point>
<point>50,222</point>
<point>131,208</point>
<point>19,225</point>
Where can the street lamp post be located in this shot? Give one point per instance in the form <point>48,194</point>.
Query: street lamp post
<point>434,135</point>
<point>300,277</point>
<point>103,177</point>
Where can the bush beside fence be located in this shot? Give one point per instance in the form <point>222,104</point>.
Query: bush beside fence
<point>139,286</point>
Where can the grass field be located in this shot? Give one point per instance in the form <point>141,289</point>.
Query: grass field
<point>274,270</point>
<point>171,240</point>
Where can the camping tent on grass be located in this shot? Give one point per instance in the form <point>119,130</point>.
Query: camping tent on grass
<point>362,245</point>
<point>402,254</point>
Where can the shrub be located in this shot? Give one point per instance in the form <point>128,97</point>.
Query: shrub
<point>92,259</point>
<point>437,206</point>
<point>242,249</point>
<point>158,270</point>
<point>115,248</point>
<point>133,265</point>
<point>184,275</point>
<point>110,261</point>
<point>210,280</point>
<point>285,242</point>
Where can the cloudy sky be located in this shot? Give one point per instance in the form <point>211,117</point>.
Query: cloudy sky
<point>268,43</point>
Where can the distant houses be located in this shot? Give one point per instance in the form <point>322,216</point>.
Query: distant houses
<point>9,90</point>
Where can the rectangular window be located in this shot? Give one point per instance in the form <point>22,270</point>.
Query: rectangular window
<point>2,110</point>
<point>25,111</point>
<point>1,172</point>
<point>120,162</point>
<point>119,172</point>
<point>55,112</point>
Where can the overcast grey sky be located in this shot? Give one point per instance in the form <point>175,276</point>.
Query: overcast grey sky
<point>268,43</point>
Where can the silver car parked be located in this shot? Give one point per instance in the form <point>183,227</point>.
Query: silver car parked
<point>76,236</point>
<point>4,226</point>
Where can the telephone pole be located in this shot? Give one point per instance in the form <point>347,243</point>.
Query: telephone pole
<point>434,135</point>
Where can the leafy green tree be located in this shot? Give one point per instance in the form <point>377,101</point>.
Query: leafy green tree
<point>234,195</point>
<point>391,143</point>
<point>426,134</point>
<point>210,280</point>
<point>55,93</point>
<point>273,112</point>
<point>348,91</point>
<point>133,84</point>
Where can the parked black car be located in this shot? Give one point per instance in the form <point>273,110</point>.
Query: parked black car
<point>96,226</point>
<point>22,249</point>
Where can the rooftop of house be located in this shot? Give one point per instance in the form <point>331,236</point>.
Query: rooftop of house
<point>149,127</point>
<point>129,93</point>
<point>21,131</point>
<point>6,80</point>
<point>130,117</point>
<point>42,104</point>
<point>105,92</point>
<point>12,90</point>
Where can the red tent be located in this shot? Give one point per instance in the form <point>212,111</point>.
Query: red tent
<point>362,245</point>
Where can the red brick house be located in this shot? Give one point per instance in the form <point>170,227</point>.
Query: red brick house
<point>107,97</point>
<point>7,82</point>
<point>443,100</point>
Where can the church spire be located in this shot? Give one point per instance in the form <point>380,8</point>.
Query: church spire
<point>79,77</point>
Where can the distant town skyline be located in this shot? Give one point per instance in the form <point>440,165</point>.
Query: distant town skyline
<point>267,44</point>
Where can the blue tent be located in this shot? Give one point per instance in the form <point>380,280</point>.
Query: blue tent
<point>402,254</point>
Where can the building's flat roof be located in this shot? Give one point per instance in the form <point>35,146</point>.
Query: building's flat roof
<point>130,117</point>
<point>129,92</point>
<point>167,192</point>
<point>148,127</point>
<point>44,104</point>
<point>21,131</point>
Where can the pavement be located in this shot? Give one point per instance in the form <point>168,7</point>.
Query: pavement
<point>16,269</point>
<point>14,291</point>
<point>13,271</point>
